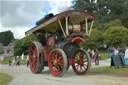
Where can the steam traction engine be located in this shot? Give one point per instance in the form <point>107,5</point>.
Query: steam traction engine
<point>57,42</point>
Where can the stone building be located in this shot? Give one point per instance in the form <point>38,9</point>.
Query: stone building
<point>7,51</point>
<point>1,48</point>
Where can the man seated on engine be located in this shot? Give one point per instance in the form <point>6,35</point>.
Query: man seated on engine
<point>41,38</point>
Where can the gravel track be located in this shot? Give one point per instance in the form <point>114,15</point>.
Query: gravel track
<point>23,76</point>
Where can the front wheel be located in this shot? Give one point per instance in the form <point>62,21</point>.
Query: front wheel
<point>81,62</point>
<point>57,62</point>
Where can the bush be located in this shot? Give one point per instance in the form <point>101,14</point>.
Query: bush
<point>22,46</point>
<point>94,41</point>
<point>116,36</point>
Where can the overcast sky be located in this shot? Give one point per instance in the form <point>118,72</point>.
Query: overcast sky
<point>21,15</point>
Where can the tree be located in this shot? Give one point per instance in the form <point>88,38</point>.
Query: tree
<point>94,41</point>
<point>87,5</point>
<point>22,46</point>
<point>116,36</point>
<point>6,37</point>
<point>105,10</point>
<point>112,23</point>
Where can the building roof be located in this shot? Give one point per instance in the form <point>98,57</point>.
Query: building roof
<point>8,47</point>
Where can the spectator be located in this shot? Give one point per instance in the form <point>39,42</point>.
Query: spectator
<point>116,51</point>
<point>126,53</point>
<point>27,60</point>
<point>9,63</point>
<point>93,53</point>
<point>97,57</point>
<point>119,49</point>
<point>22,58</point>
<point>14,62</point>
<point>116,57</point>
<point>108,52</point>
<point>89,52</point>
<point>18,61</point>
<point>112,49</point>
<point>123,51</point>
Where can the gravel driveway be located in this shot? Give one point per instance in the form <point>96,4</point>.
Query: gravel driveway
<point>23,76</point>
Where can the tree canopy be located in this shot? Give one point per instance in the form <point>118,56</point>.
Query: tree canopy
<point>111,19</point>
<point>105,10</point>
<point>116,36</point>
<point>6,37</point>
<point>22,45</point>
<point>95,40</point>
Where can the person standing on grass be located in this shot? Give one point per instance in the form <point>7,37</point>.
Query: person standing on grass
<point>97,57</point>
<point>27,60</point>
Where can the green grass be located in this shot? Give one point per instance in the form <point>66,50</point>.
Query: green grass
<point>6,60</point>
<point>103,55</point>
<point>5,79</point>
<point>106,70</point>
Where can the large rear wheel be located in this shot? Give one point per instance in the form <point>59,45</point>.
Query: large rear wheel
<point>81,62</point>
<point>35,58</point>
<point>58,62</point>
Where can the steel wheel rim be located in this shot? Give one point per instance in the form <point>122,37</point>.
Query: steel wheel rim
<point>33,57</point>
<point>80,64</point>
<point>56,63</point>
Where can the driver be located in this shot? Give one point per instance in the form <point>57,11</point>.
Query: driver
<point>42,39</point>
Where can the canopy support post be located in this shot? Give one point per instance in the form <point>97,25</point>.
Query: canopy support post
<point>86,21</point>
<point>66,25</point>
<point>91,28</point>
<point>61,28</point>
